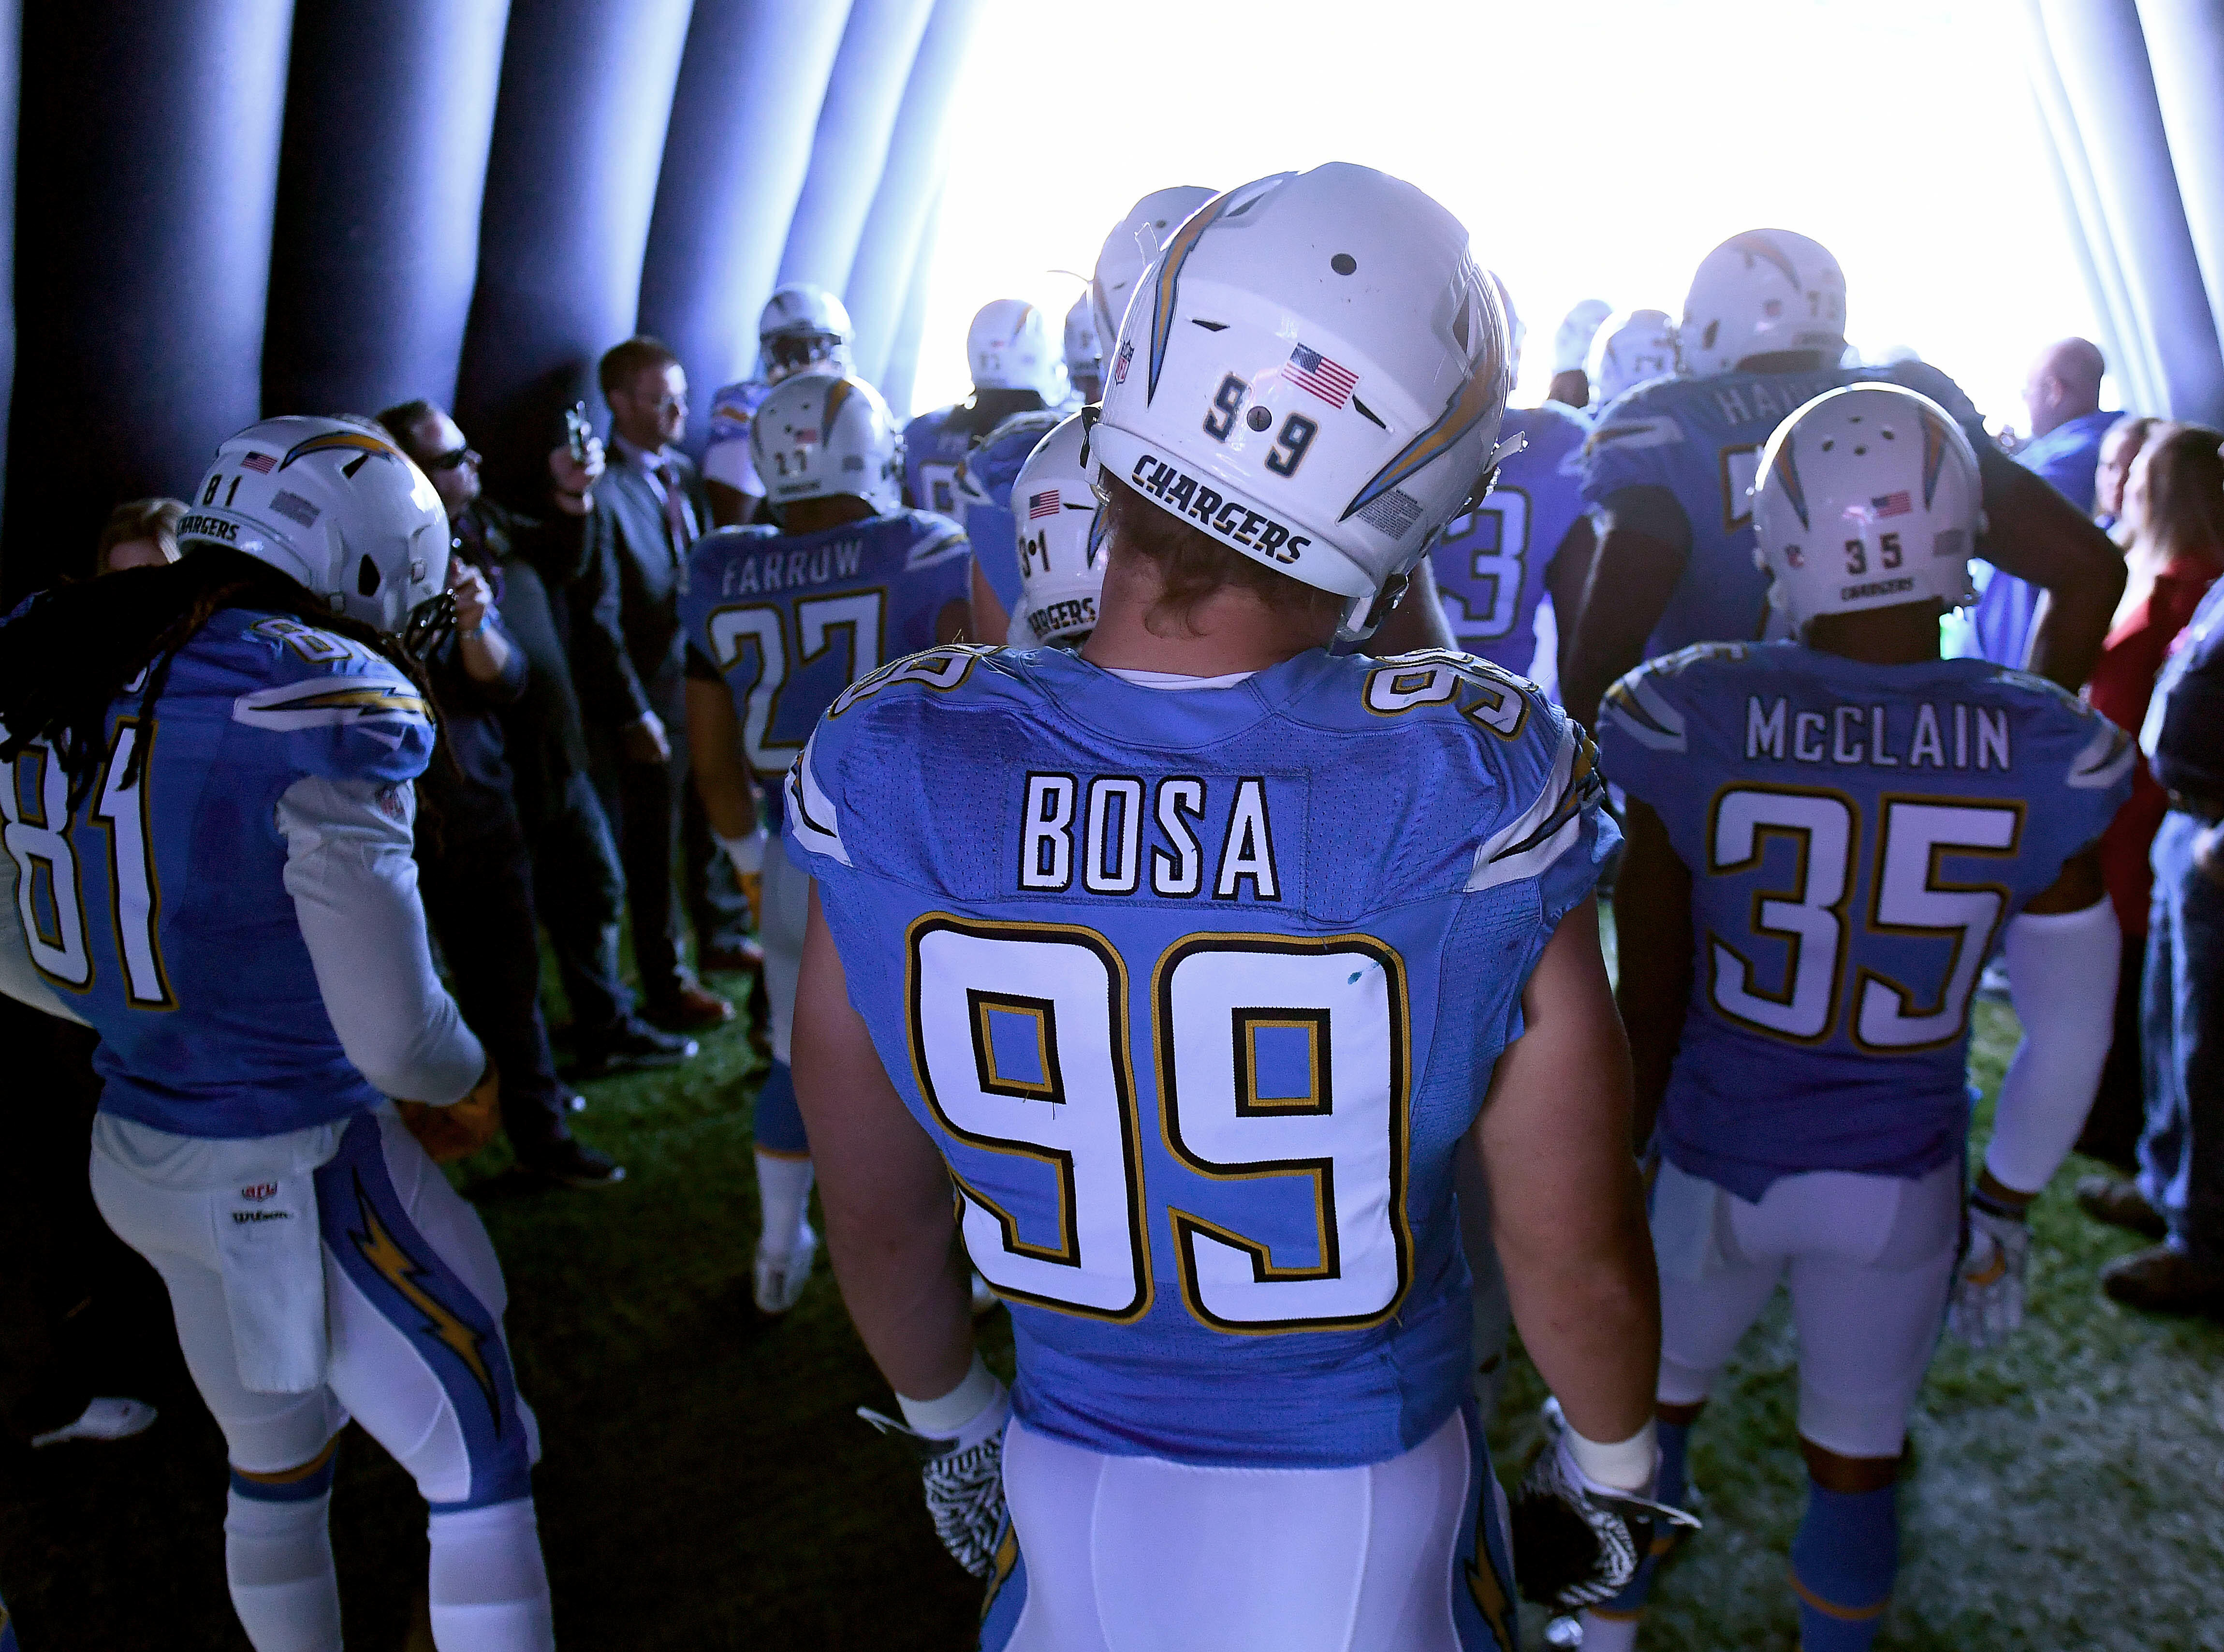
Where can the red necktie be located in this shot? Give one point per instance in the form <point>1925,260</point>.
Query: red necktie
<point>675,511</point>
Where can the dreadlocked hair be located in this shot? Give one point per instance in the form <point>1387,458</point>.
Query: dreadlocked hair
<point>67,656</point>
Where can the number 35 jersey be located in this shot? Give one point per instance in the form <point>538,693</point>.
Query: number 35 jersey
<point>788,621</point>
<point>1857,835</point>
<point>1197,992</point>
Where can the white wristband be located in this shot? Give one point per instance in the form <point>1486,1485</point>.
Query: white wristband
<point>1626,1464</point>
<point>948,1415</point>
<point>746,853</point>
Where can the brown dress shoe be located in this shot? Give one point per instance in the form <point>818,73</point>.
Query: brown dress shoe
<point>2164,1281</point>
<point>2121,1204</point>
<point>744,957</point>
<point>690,1010</point>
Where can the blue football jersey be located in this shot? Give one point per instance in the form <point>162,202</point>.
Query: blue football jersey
<point>1701,439</point>
<point>160,906</point>
<point>790,621</point>
<point>1490,563</point>
<point>984,495</point>
<point>726,456</point>
<point>1196,992</point>
<point>932,454</point>
<point>1857,836</point>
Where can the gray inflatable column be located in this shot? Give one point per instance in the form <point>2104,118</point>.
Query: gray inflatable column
<point>2185,40</point>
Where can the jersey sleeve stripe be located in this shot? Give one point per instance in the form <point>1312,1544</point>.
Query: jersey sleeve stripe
<point>1643,713</point>
<point>2107,758</point>
<point>811,813</point>
<point>940,548</point>
<point>1550,827</point>
<point>327,701</point>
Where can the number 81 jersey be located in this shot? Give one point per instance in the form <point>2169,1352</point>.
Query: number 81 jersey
<point>1857,836</point>
<point>1197,992</point>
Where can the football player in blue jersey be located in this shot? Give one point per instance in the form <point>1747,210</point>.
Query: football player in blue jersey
<point>1669,465</point>
<point>1528,537</point>
<point>1223,951</point>
<point>778,622</point>
<point>207,785</point>
<point>1016,368</point>
<point>1827,838</point>
<point>1631,348</point>
<point>1084,354</point>
<point>803,329</point>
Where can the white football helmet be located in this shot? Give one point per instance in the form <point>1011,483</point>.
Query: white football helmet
<point>1010,347</point>
<point>1636,345</point>
<point>1061,541</point>
<point>1085,353</point>
<point>1866,497</point>
<point>1314,374</point>
<point>1571,340</point>
<point>1763,291</point>
<point>822,434</point>
<point>803,329</point>
<point>1133,246</point>
<point>337,506</point>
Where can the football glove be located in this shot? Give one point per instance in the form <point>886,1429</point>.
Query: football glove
<point>1575,1542</point>
<point>458,1131</point>
<point>1986,1306</point>
<point>965,1476</point>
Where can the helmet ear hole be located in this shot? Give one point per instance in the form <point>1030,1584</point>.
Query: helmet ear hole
<point>366,577</point>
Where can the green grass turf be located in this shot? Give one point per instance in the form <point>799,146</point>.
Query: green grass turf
<point>706,1484</point>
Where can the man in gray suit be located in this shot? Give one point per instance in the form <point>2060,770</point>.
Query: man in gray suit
<point>629,661</point>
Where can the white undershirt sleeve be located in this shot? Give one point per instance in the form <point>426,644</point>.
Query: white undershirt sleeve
<point>354,883</point>
<point>2062,979</point>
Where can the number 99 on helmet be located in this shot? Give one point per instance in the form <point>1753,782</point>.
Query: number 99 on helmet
<point>1313,374</point>
<point>1866,497</point>
<point>822,434</point>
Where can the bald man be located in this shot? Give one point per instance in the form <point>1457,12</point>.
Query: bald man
<point>2061,394</point>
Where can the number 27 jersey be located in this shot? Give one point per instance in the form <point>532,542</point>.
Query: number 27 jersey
<point>1197,992</point>
<point>1857,835</point>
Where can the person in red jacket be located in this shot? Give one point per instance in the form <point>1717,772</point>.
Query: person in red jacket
<point>2174,507</point>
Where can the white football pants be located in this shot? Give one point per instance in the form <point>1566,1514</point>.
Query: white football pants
<point>1869,1259</point>
<point>1139,1554</point>
<point>785,894</point>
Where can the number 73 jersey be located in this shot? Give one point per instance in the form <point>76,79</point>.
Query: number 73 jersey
<point>1198,992</point>
<point>1857,836</point>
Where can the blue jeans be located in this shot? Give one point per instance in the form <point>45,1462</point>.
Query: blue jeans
<point>2181,1153</point>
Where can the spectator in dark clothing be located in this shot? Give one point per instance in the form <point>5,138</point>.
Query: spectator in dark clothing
<point>473,871</point>
<point>2179,1195</point>
<point>2173,517</point>
<point>627,654</point>
<point>578,890</point>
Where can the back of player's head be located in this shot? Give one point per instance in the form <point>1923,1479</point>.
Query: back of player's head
<point>1866,497</point>
<point>803,328</point>
<point>1084,351</point>
<point>1757,294</point>
<point>1632,347</point>
<point>1061,540</point>
<point>821,435</point>
<point>1008,347</point>
<point>335,504</point>
<point>1312,377</point>
<point>1132,247</point>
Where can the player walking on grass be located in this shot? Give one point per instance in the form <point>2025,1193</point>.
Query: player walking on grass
<point>207,780</point>
<point>1827,837</point>
<point>1193,961</point>
<point>778,622</point>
